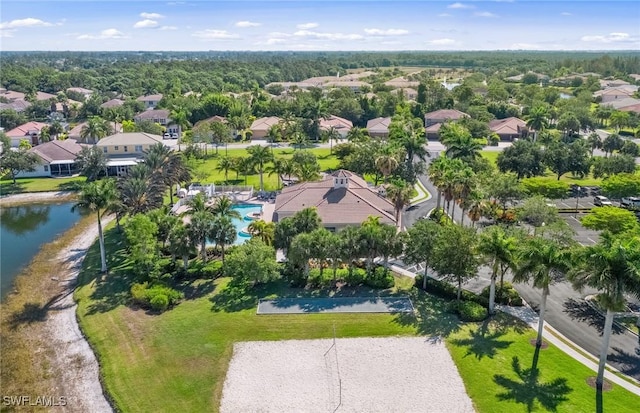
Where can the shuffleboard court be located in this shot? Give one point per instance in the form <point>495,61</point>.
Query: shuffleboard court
<point>336,305</point>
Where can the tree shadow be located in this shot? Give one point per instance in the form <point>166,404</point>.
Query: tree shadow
<point>35,312</point>
<point>483,341</point>
<point>581,310</point>
<point>527,389</point>
<point>8,188</point>
<point>194,289</point>
<point>628,363</point>
<point>240,295</point>
<point>71,186</point>
<point>430,317</point>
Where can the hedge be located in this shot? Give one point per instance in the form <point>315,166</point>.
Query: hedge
<point>507,296</point>
<point>445,290</point>
<point>156,296</point>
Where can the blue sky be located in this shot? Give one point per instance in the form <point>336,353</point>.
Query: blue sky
<point>319,25</point>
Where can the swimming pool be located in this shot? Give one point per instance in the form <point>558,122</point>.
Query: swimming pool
<point>245,210</point>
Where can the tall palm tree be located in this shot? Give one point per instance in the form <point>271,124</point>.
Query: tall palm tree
<point>465,183</point>
<point>95,129</point>
<point>499,251</point>
<point>437,170</point>
<point>595,141</point>
<point>399,193</point>
<point>97,196</point>
<point>330,135</point>
<point>180,117</point>
<point>538,120</point>
<point>351,246</point>
<point>357,134</point>
<point>543,261</point>
<point>199,230</point>
<point>265,231</point>
<point>280,167</point>
<point>386,164</point>
<point>613,267</point>
<point>198,203</point>
<point>225,164</point>
<point>459,142</point>
<point>259,156</point>
<point>180,244</point>
<point>223,233</point>
<point>223,207</point>
<point>167,166</point>
<point>370,231</point>
<point>420,244</point>
<point>301,250</point>
<point>92,162</point>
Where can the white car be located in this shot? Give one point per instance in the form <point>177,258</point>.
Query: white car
<point>601,201</point>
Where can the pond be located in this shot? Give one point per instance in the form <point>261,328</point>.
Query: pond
<point>23,230</point>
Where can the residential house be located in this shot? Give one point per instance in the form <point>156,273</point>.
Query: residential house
<point>619,104</point>
<point>76,131</point>
<point>614,93</point>
<point>509,129</point>
<point>401,82</point>
<point>409,93</point>
<point>260,127</point>
<point>379,127</point>
<point>341,125</point>
<point>212,119</point>
<point>57,158</point>
<point>113,103</point>
<point>355,85</point>
<point>606,83</point>
<point>12,95</point>
<point>18,105</point>
<point>150,101</point>
<point>29,131</point>
<point>342,199</point>
<point>161,117</point>
<point>85,92</point>
<point>434,120</point>
<point>45,96</point>
<point>125,150</point>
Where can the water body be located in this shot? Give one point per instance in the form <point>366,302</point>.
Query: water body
<point>23,230</point>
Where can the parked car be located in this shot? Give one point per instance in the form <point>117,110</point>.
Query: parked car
<point>166,135</point>
<point>631,202</point>
<point>601,200</point>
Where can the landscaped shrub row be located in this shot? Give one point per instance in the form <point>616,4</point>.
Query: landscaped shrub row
<point>507,295</point>
<point>448,291</point>
<point>468,310</point>
<point>379,279</point>
<point>157,297</point>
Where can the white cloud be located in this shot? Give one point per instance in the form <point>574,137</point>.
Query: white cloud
<point>461,6</point>
<point>525,46</point>
<point>246,23</point>
<point>485,14</point>
<point>213,34</point>
<point>609,38</point>
<point>327,36</point>
<point>275,41</point>
<point>6,33</point>
<point>105,34</point>
<point>307,26</point>
<point>168,28</point>
<point>442,42</point>
<point>565,13</point>
<point>387,32</point>
<point>444,15</point>
<point>279,34</point>
<point>145,24</point>
<point>151,16</point>
<point>28,22</point>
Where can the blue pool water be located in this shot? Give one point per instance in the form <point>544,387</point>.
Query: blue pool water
<point>241,224</point>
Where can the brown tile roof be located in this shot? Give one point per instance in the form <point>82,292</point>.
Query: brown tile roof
<point>379,125</point>
<point>80,90</point>
<point>632,108</point>
<point>336,122</point>
<point>153,114</point>
<point>401,82</point>
<point>113,103</point>
<point>215,118</point>
<point>19,105</point>
<point>342,205</point>
<point>58,150</point>
<point>433,128</point>
<point>150,98</point>
<point>44,96</point>
<point>12,95</point>
<point>508,126</point>
<point>26,128</point>
<point>451,114</point>
<point>130,138</point>
<point>264,123</point>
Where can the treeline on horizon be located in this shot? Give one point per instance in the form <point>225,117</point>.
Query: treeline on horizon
<point>232,71</point>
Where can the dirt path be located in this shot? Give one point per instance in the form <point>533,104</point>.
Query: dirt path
<point>77,367</point>
<point>35,197</point>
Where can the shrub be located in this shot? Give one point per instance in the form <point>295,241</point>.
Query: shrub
<point>381,278</point>
<point>294,275</point>
<point>470,311</point>
<point>356,277</point>
<point>493,139</point>
<point>155,296</point>
<point>212,269</point>
<point>507,295</point>
<point>445,290</point>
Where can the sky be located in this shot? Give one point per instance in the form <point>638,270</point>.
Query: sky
<point>305,25</point>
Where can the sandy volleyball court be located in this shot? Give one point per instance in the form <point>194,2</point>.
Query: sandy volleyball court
<point>393,374</point>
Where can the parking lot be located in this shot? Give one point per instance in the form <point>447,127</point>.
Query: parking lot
<point>583,235</point>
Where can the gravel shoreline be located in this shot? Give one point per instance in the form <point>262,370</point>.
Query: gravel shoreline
<point>36,197</point>
<point>79,379</point>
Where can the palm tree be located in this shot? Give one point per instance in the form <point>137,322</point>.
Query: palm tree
<point>459,142</point>
<point>180,244</point>
<point>225,164</point>
<point>301,250</point>
<point>265,231</point>
<point>223,207</point>
<point>538,120</point>
<point>499,250</point>
<point>414,146</point>
<point>259,156</point>
<point>595,141</point>
<point>97,196</point>
<point>330,135</point>
<point>399,193</point>
<point>96,129</point>
<point>92,162</point>
<point>371,237</point>
<point>543,261</point>
<point>167,166</point>
<point>223,233</point>
<point>613,267</point>
<point>465,183</point>
<point>351,245</point>
<point>357,134</point>
<point>280,167</point>
<point>198,203</point>
<point>420,244</point>
<point>437,170</point>
<point>180,117</point>
<point>386,164</point>
<point>199,230</point>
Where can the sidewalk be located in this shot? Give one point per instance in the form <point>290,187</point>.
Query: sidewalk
<point>554,337</point>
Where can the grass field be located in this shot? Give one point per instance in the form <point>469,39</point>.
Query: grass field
<point>206,169</point>
<point>177,361</point>
<point>40,184</point>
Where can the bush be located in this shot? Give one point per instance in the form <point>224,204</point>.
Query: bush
<point>356,277</point>
<point>507,295</point>
<point>438,215</point>
<point>445,290</point>
<point>156,296</point>
<point>470,311</point>
<point>212,269</point>
<point>381,278</point>
<point>493,139</point>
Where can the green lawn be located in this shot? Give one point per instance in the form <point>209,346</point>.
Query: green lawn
<point>40,184</point>
<point>177,361</point>
<point>209,173</point>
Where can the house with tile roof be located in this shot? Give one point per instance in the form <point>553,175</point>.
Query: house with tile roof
<point>124,150</point>
<point>401,82</point>
<point>434,120</point>
<point>379,127</point>
<point>342,199</point>
<point>161,117</point>
<point>260,127</point>
<point>83,91</point>
<point>29,131</point>
<point>113,103</point>
<point>509,129</point>
<point>341,125</point>
<point>19,105</point>
<point>11,95</point>
<point>150,101</point>
<point>57,158</point>
<point>611,94</point>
